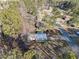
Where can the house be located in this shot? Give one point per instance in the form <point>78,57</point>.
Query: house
<point>40,36</point>
<point>37,37</point>
<point>65,5</point>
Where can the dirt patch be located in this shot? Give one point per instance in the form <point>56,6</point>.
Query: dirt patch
<point>27,19</point>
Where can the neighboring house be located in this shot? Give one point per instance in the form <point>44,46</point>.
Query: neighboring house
<point>63,21</point>
<point>65,5</point>
<point>60,22</point>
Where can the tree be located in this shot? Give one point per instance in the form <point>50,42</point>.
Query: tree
<point>11,20</point>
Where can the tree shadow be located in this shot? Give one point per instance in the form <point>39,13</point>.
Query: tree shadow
<point>18,42</point>
<point>21,44</point>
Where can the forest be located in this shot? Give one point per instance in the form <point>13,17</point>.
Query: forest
<point>39,29</point>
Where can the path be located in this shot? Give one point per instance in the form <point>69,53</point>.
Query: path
<point>27,26</point>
